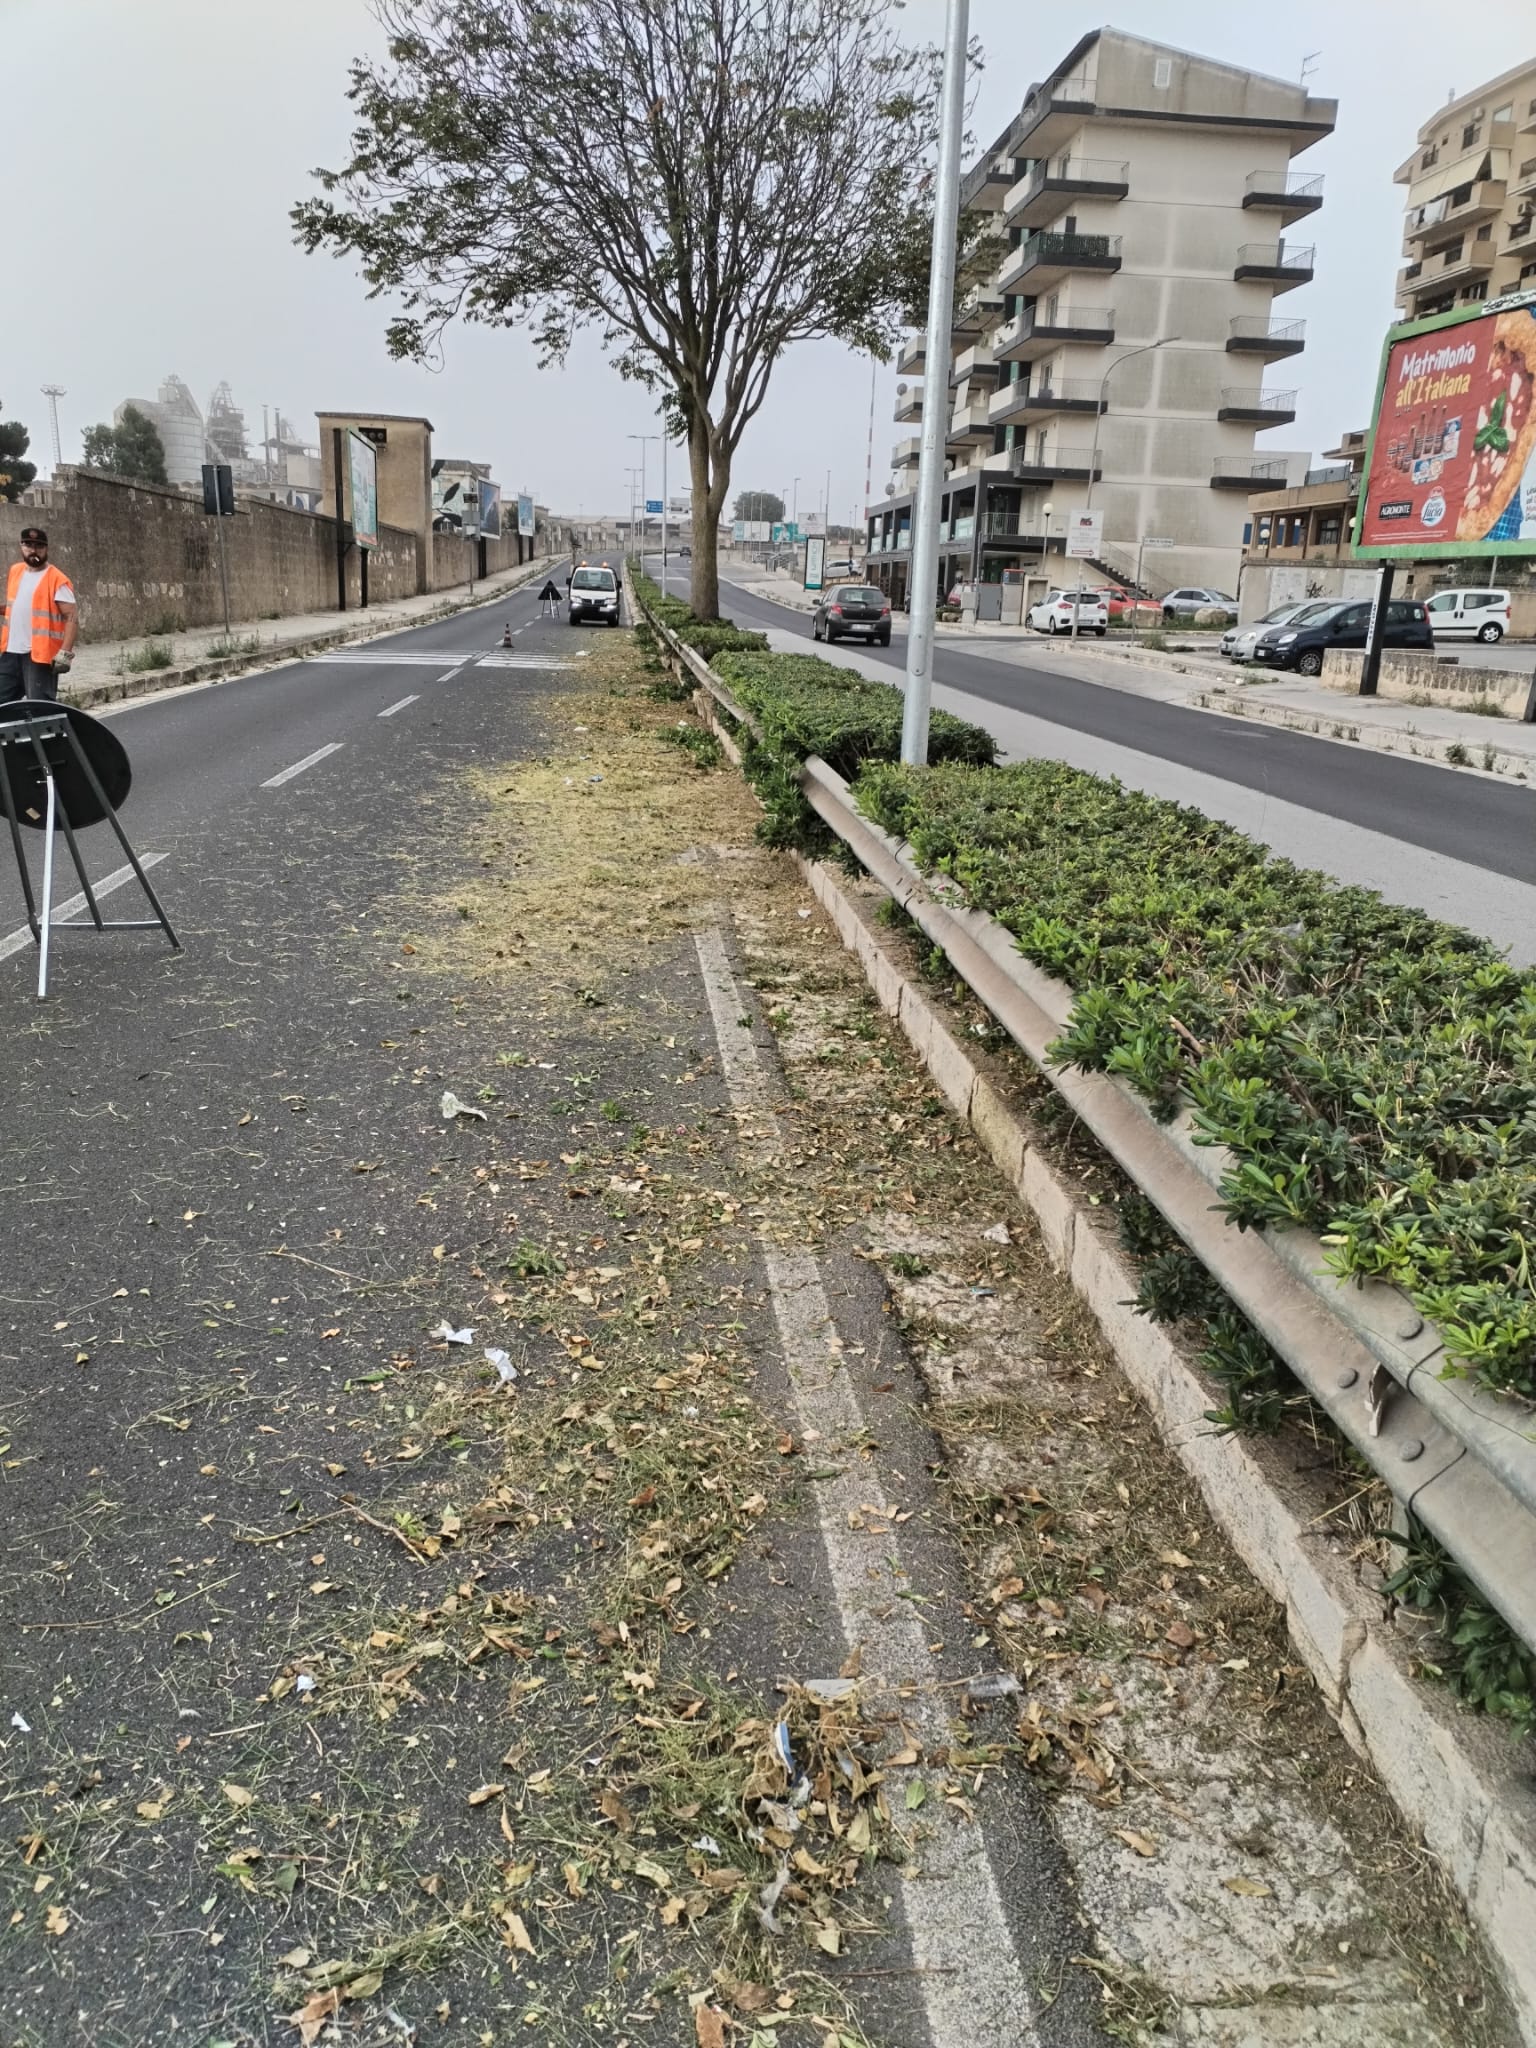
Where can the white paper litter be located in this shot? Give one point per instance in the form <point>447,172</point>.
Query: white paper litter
<point>304,1683</point>
<point>506,1371</point>
<point>18,1722</point>
<point>447,1334</point>
<point>998,1234</point>
<point>452,1107</point>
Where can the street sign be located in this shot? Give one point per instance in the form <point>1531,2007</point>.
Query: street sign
<point>1085,535</point>
<point>1153,541</point>
<point>653,505</point>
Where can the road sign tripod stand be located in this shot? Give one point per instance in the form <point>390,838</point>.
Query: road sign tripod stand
<point>48,781</point>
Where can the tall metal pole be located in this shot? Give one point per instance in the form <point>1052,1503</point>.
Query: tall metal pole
<point>941,300</point>
<point>53,393</point>
<point>663,505</point>
<point>1093,459</point>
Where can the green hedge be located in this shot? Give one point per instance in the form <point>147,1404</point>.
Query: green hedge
<point>1372,1070</point>
<point>707,637</point>
<point>802,706</point>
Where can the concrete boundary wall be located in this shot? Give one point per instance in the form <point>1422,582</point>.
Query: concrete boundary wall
<point>1431,678</point>
<point>144,558</point>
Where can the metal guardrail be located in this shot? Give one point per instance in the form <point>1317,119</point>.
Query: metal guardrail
<point>1461,1459</point>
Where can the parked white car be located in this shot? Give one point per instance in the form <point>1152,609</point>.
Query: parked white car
<point>1469,614</point>
<point>1054,615</point>
<point>1238,642</point>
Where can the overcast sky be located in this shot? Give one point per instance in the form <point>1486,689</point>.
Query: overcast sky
<point>156,146</point>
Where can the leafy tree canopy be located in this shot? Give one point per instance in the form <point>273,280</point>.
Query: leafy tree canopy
<point>702,182</point>
<point>759,505</point>
<point>15,471</point>
<point>132,448</point>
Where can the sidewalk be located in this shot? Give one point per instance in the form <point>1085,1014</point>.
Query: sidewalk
<point>103,672</point>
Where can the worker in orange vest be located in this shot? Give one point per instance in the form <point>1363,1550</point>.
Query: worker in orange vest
<point>39,625</point>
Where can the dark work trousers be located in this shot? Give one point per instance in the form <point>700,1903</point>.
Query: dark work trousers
<point>21,676</point>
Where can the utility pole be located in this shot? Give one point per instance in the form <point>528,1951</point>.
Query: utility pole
<point>53,393</point>
<point>663,504</point>
<point>941,305</point>
<point>642,439</point>
<point>1093,459</point>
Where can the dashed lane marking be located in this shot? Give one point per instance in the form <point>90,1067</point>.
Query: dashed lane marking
<point>414,699</point>
<point>287,774</point>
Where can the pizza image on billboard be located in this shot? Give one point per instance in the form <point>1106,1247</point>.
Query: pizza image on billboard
<point>1452,463</point>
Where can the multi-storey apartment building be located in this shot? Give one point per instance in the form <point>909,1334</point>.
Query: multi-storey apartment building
<point>1145,196</point>
<point>1469,231</point>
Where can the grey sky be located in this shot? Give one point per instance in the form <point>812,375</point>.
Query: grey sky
<point>152,179</point>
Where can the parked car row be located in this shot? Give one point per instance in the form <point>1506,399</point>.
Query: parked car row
<point>1299,635</point>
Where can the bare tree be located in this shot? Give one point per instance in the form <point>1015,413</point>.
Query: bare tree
<point>704,182</point>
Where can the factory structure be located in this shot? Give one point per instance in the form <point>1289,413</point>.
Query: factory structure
<point>277,463</point>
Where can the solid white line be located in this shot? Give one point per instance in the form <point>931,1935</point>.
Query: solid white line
<point>950,1898</point>
<point>309,760</point>
<point>14,941</point>
<point>400,706</point>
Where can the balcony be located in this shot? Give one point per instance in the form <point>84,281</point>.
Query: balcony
<point>1257,408</point>
<point>1251,334</point>
<point>1276,263</point>
<point>1040,401</point>
<point>1051,117</point>
<point>1050,258</point>
<point>1291,194</point>
<point>1461,264</point>
<point>976,311</point>
<point>1528,125</point>
<point>1521,238</point>
<point>1524,180</point>
<point>970,424</point>
<point>1478,200</point>
<point>909,404</point>
<point>985,185</point>
<point>1243,473</point>
<point>1035,333</point>
<point>1053,465</point>
<point>969,362</point>
<point>1041,195</point>
<point>905,454</point>
<point>911,357</point>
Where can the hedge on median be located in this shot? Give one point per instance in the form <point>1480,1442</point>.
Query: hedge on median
<point>802,705</point>
<point>707,637</point>
<point>1372,1070</point>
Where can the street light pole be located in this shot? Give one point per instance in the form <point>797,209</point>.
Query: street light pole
<point>941,306</point>
<point>642,439</point>
<point>1093,460</point>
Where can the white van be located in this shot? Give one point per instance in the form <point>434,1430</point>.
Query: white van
<point>1469,614</point>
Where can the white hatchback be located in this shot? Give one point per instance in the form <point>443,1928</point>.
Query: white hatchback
<point>1054,615</point>
<point>1468,614</point>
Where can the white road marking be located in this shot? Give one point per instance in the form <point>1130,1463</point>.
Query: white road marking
<point>505,660</point>
<point>287,774</point>
<point>416,699</point>
<point>14,941</point>
<point>392,659</point>
<point>950,1899</point>
<point>451,673</point>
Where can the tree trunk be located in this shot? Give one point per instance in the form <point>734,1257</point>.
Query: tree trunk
<point>704,590</point>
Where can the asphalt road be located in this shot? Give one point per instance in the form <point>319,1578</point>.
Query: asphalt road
<point>1489,826</point>
<point>212,753</point>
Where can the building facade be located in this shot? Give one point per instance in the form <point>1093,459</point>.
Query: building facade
<point>1469,228</point>
<point>1142,195</point>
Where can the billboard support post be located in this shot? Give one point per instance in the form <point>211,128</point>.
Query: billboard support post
<point>362,579</point>
<point>1376,632</point>
<point>341,530</point>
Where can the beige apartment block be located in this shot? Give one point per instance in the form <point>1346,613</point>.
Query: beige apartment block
<point>1469,230</point>
<point>1142,195</point>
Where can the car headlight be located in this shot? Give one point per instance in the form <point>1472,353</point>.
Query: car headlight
<point>1284,639</point>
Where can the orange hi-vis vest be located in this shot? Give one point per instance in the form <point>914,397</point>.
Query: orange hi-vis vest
<point>48,614</point>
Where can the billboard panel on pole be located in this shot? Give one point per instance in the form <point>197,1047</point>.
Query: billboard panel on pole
<point>815,562</point>
<point>525,517</point>
<point>490,510</point>
<point>363,477</point>
<point>1451,466</point>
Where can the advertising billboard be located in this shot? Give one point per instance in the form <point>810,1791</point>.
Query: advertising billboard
<point>525,517</point>
<point>815,562</point>
<point>1451,466</point>
<point>363,476</point>
<point>490,510</point>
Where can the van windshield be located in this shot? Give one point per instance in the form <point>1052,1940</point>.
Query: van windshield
<point>592,579</point>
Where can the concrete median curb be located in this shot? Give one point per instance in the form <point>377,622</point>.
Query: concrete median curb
<point>1459,1782</point>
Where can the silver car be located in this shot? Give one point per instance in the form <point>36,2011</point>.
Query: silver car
<point>1238,642</point>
